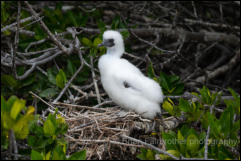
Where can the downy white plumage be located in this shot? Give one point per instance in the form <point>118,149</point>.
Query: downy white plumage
<point>124,83</point>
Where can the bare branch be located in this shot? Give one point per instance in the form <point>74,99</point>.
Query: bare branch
<point>207,136</point>
<point>204,36</point>
<point>199,22</point>
<point>37,52</point>
<point>77,47</point>
<point>53,109</point>
<point>101,141</point>
<point>221,69</point>
<point>15,23</point>
<point>71,79</point>
<point>16,41</point>
<point>94,80</point>
<point>52,37</point>
<point>13,144</point>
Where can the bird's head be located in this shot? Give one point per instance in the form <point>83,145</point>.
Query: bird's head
<point>113,41</point>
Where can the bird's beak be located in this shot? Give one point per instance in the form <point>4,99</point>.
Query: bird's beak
<point>101,44</point>
<point>106,43</point>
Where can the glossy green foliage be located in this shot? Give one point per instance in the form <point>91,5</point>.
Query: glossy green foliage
<point>146,154</point>
<point>170,84</point>
<point>224,128</point>
<point>186,142</point>
<point>208,98</point>
<point>61,79</point>
<point>58,154</point>
<point>15,116</point>
<point>169,106</point>
<point>47,140</point>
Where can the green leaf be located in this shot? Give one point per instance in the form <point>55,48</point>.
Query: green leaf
<point>164,81</point>
<point>3,104</point>
<point>7,32</point>
<point>52,117</point>
<point>47,156</point>
<point>179,89</point>
<point>39,34</point>
<point>181,141</point>
<point>173,152</point>
<point>234,94</point>
<point>16,108</point>
<point>21,70</point>
<point>146,154</point>
<point>86,42</point>
<point>184,130</point>
<point>72,19</point>
<point>195,94</point>
<point>101,26</point>
<point>96,42</point>
<point>49,128</point>
<point>192,143</point>
<point>205,95</point>
<point>93,52</point>
<point>70,67</point>
<point>184,105</point>
<point>125,34</point>
<point>168,107</point>
<point>171,90</point>
<point>171,84</point>
<point>214,98</point>
<point>36,155</point>
<point>150,71</point>
<point>150,155</point>
<point>28,81</point>
<point>191,131</point>
<point>169,139</point>
<point>210,119</point>
<point>81,155</point>
<point>50,15</point>
<point>4,13</point>
<point>174,78</point>
<point>142,155</point>
<point>9,81</point>
<point>51,76</point>
<point>61,79</point>
<point>84,20</point>
<point>49,93</point>
<point>30,110</point>
<point>226,122</point>
<point>236,103</point>
<point>21,128</point>
<point>202,136</point>
<point>58,153</point>
<point>38,142</point>
<point>35,127</point>
<point>10,102</point>
<point>6,121</point>
<point>115,22</point>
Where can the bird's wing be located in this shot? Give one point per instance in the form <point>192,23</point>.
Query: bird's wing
<point>128,76</point>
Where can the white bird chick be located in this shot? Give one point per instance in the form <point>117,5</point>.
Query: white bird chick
<point>124,83</point>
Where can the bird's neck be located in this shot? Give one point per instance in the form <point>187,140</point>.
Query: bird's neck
<point>116,51</point>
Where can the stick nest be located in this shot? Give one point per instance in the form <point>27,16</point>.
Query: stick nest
<point>98,130</point>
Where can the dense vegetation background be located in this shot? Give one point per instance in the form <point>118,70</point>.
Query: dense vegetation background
<point>49,59</point>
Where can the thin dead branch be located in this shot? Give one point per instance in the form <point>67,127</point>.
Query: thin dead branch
<point>52,37</point>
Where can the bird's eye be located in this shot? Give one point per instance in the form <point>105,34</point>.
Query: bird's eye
<point>108,42</point>
<point>111,40</point>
